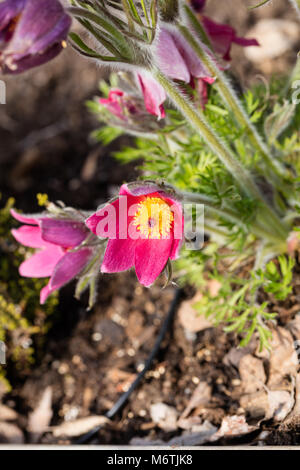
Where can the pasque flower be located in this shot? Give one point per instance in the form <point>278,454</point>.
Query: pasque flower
<point>32,32</point>
<point>145,229</point>
<point>119,104</point>
<point>178,61</point>
<point>221,35</point>
<point>59,254</point>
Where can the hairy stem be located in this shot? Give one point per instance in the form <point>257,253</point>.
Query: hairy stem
<point>241,175</point>
<point>230,98</point>
<point>231,216</point>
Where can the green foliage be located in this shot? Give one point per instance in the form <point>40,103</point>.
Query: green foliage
<point>177,155</point>
<point>277,280</point>
<point>22,319</point>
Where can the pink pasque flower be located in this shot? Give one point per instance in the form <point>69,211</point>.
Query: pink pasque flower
<point>145,229</point>
<point>221,35</point>
<point>119,104</point>
<point>54,240</point>
<point>178,61</point>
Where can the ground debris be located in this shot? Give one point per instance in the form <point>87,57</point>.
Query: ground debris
<point>79,426</point>
<point>39,419</point>
<point>164,416</point>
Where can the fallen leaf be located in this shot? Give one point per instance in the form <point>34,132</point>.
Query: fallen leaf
<point>40,417</point>
<point>234,426</point>
<point>283,359</point>
<point>233,357</point>
<point>189,318</point>
<point>281,403</point>
<point>200,397</point>
<point>7,414</point>
<point>294,327</point>
<point>10,434</point>
<point>164,416</point>
<point>186,439</point>
<point>79,426</point>
<point>256,404</point>
<point>252,374</point>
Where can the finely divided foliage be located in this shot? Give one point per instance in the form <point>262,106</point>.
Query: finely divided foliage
<point>200,141</point>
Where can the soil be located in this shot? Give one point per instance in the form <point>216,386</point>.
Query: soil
<point>90,358</point>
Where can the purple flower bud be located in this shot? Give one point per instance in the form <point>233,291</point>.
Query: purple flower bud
<point>32,32</point>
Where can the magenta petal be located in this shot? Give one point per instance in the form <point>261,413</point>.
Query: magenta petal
<point>154,95</point>
<point>194,64</point>
<point>170,59</point>
<point>29,235</point>
<point>151,257</point>
<point>69,266</point>
<point>245,42</point>
<point>41,264</point>
<point>108,213</point>
<point>67,233</point>
<point>44,294</point>
<point>119,256</point>
<point>92,222</point>
<point>26,219</point>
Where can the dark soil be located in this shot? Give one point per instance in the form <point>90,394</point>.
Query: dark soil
<point>90,358</point>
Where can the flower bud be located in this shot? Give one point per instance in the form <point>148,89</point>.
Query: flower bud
<point>32,32</point>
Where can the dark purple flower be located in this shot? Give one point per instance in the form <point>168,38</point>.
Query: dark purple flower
<point>32,32</point>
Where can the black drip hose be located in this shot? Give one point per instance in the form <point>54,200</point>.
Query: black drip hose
<point>124,397</point>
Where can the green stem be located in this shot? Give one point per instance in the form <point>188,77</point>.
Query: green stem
<point>229,96</point>
<point>230,216</point>
<point>241,175</point>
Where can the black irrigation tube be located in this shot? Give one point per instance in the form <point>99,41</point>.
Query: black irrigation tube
<point>123,398</point>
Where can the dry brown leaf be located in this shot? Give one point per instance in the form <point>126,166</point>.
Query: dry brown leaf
<point>234,426</point>
<point>294,327</point>
<point>281,403</point>
<point>283,359</point>
<point>252,374</point>
<point>233,357</point>
<point>255,404</point>
<point>79,426</point>
<point>200,397</point>
<point>189,318</point>
<point>40,417</point>
<point>204,435</point>
<point>164,416</point>
<point>7,414</point>
<point>190,424</point>
<point>267,404</point>
<point>10,434</point>
<point>296,409</point>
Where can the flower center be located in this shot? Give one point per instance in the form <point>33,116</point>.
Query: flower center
<point>153,218</point>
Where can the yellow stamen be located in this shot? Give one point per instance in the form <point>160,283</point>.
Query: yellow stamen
<point>153,218</point>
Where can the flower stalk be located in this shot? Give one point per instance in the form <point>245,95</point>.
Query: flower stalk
<point>266,214</point>
<point>229,96</point>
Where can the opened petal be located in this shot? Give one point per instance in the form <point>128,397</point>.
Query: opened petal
<point>41,264</point>
<point>154,95</point>
<point>151,257</point>
<point>69,266</point>
<point>67,233</point>
<point>29,235</point>
<point>119,256</point>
